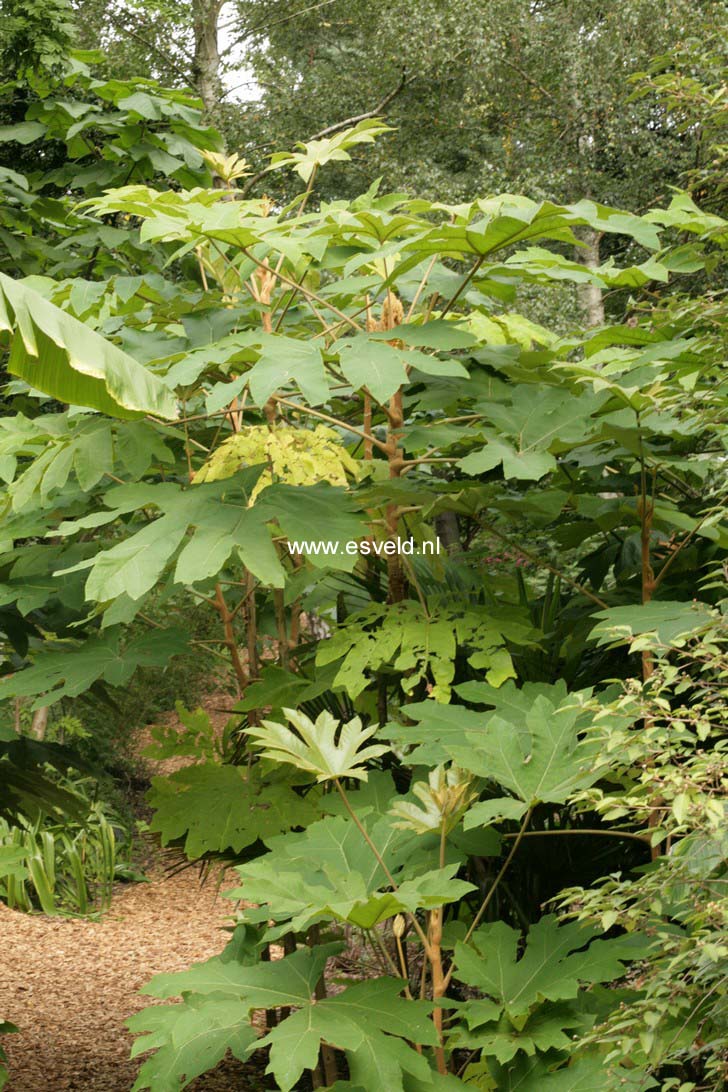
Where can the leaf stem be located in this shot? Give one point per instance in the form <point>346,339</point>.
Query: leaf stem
<point>362,830</point>
<point>486,901</point>
<point>463,285</point>
<point>332,420</point>
<point>306,292</point>
<point>643,838</point>
<point>546,565</point>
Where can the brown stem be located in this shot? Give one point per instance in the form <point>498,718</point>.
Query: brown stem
<point>280,613</point>
<point>328,1054</point>
<point>251,633</point>
<point>681,546</point>
<point>230,641</point>
<point>271,1016</point>
<point>646,512</point>
<point>439,985</point>
<point>420,288</point>
<point>463,285</point>
<point>368,445</point>
<point>395,570</point>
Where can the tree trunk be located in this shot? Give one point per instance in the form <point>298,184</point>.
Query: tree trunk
<point>205,14</point>
<point>39,723</point>
<point>448,531</point>
<point>590,295</point>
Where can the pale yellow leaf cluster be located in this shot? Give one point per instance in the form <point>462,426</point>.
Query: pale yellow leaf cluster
<point>294,456</point>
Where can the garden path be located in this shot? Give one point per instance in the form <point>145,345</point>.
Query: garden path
<point>69,984</point>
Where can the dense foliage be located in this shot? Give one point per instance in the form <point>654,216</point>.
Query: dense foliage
<point>474,790</point>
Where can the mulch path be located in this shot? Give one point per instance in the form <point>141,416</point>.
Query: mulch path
<point>69,984</point>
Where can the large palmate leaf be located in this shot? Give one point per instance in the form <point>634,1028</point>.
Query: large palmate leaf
<point>493,223</point>
<point>222,522</point>
<point>323,747</point>
<point>219,996</point>
<point>383,368</point>
<point>556,959</point>
<point>315,153</point>
<point>529,743</point>
<point>371,1021</point>
<point>284,360</point>
<point>538,755</point>
<point>254,984</point>
<point>523,1008</point>
<point>670,622</point>
<point>553,764</point>
<point>529,432</point>
<point>549,1028</point>
<point>188,1039</point>
<point>328,872</point>
<point>588,1073</point>
<point>417,645</point>
<point>59,355</point>
<point>218,808</point>
<point>74,669</point>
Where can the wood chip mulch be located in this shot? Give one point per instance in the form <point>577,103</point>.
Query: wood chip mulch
<point>69,984</point>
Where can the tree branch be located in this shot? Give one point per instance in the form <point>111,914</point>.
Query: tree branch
<point>376,111</point>
<point>356,118</point>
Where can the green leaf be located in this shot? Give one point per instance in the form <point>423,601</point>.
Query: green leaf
<point>134,566</point>
<point>25,132</point>
<point>528,465</point>
<point>222,524</point>
<point>68,673</point>
<point>412,642</point>
<point>531,429</point>
<point>58,355</point>
<point>372,364</point>
<point>217,808</point>
<point>548,764</point>
<point>435,334</point>
<point>188,1039</point>
<point>283,359</point>
<point>552,967</point>
<point>12,862</point>
<point>300,509</point>
<point>329,872</point>
<point>590,1073</point>
<point>93,454</point>
<point>670,621</point>
<point>550,1027</point>
<point>288,981</point>
<point>324,747</point>
<point>443,726</point>
<point>230,528</point>
<point>364,1020</point>
<point>315,153</point>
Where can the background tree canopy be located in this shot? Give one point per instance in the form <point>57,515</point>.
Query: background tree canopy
<point>450,274</point>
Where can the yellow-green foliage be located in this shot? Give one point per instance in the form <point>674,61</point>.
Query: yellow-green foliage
<point>294,455</point>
